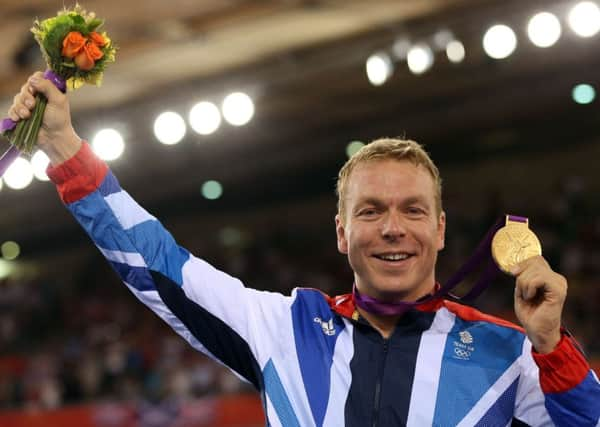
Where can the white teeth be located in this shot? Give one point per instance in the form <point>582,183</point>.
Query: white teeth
<point>394,257</point>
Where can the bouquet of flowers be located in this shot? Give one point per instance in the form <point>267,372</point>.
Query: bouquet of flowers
<point>76,52</point>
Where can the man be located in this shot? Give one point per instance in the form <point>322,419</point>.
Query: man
<point>321,361</point>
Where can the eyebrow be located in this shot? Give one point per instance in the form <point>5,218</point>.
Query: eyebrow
<point>378,202</point>
<point>415,199</point>
<point>370,201</point>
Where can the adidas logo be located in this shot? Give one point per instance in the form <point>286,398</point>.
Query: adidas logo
<point>327,326</point>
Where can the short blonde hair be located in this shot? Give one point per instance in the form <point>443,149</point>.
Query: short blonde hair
<point>386,149</point>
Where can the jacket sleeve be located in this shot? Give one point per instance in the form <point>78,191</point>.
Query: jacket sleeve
<point>213,311</point>
<point>558,388</point>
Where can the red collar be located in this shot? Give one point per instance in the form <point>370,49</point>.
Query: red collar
<point>344,305</point>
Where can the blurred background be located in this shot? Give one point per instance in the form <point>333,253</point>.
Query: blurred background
<point>229,119</point>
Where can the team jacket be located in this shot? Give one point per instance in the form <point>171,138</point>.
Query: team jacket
<point>314,365</point>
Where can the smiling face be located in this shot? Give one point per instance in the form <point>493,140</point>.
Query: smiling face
<point>391,230</point>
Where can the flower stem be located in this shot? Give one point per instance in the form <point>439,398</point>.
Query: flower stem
<point>36,118</point>
<point>17,140</point>
<point>26,131</point>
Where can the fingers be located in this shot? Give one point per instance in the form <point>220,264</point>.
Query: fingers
<point>41,85</point>
<point>12,114</point>
<point>528,288</point>
<point>524,265</point>
<point>535,278</point>
<point>23,102</point>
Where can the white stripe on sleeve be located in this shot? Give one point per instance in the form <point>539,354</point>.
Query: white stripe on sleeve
<point>128,211</point>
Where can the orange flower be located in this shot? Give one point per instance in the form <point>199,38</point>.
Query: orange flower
<point>72,44</point>
<point>97,39</point>
<point>93,51</point>
<point>83,61</point>
<point>86,59</point>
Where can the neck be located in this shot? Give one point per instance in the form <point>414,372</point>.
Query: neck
<point>383,315</point>
<point>385,325</point>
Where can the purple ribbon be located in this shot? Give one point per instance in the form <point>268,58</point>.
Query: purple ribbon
<point>58,81</point>
<point>8,124</point>
<point>482,254</point>
<point>517,218</point>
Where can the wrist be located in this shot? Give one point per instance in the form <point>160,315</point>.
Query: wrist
<point>545,344</point>
<point>67,146</point>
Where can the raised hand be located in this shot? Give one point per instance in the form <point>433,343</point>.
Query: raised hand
<point>56,138</point>
<point>540,295</point>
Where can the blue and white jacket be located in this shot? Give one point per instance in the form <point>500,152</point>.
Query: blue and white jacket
<point>312,358</point>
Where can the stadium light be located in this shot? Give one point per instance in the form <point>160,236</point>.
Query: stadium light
<point>39,163</point>
<point>544,29</point>
<point>379,68</point>
<point>6,268</point>
<point>583,94</point>
<point>212,190</point>
<point>19,175</point>
<point>400,48</point>
<point>169,128</point>
<point>108,144</point>
<point>205,118</point>
<point>441,39</point>
<point>455,51</point>
<point>584,19</point>
<point>238,108</point>
<point>353,147</point>
<point>419,58</point>
<point>10,250</point>
<point>499,41</point>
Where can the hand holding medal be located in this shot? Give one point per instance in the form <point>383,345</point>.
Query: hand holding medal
<point>539,291</point>
<point>75,53</point>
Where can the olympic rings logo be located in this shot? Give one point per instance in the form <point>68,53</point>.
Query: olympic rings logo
<point>462,354</point>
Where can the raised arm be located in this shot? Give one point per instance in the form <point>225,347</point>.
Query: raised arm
<point>213,311</point>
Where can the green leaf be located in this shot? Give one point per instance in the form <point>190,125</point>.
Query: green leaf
<point>53,41</point>
<point>78,20</point>
<point>94,24</point>
<point>61,20</point>
<point>82,28</point>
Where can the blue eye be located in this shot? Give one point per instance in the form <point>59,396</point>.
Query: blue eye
<point>368,212</point>
<point>415,210</point>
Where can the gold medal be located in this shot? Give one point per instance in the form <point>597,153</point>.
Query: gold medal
<point>514,243</point>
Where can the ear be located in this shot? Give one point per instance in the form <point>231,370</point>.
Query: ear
<point>441,231</point>
<point>340,231</point>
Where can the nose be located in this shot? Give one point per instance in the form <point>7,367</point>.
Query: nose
<point>393,227</point>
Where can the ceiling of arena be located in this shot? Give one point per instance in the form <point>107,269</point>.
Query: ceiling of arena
<point>303,63</point>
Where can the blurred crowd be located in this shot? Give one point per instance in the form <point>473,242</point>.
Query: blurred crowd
<point>98,345</point>
<point>93,341</point>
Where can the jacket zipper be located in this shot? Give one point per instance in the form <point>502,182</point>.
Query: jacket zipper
<point>377,401</point>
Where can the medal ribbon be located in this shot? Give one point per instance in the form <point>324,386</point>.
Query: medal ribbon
<point>8,124</point>
<point>482,254</point>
